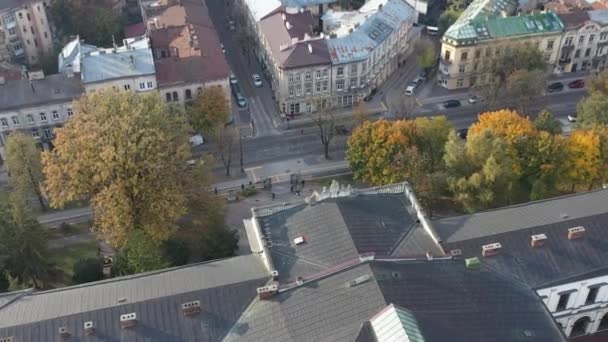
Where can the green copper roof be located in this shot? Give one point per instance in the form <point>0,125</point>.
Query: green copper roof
<point>483,19</point>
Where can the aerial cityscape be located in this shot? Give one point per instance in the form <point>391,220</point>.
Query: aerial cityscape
<point>304,170</point>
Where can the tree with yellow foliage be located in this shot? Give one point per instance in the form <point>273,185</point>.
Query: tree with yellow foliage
<point>124,153</point>
<point>505,124</point>
<point>585,160</point>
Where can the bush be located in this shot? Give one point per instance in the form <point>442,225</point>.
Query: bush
<point>87,270</point>
<point>4,282</point>
<point>176,252</point>
<point>248,192</point>
<point>67,229</point>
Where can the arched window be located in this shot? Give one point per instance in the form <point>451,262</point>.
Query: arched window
<point>580,327</point>
<point>188,94</point>
<point>168,96</point>
<point>603,323</point>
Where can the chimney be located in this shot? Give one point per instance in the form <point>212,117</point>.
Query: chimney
<point>310,48</point>
<point>191,308</point>
<point>455,252</point>
<point>63,332</point>
<point>267,291</point>
<point>429,255</point>
<point>576,233</point>
<point>321,17</point>
<point>275,275</point>
<point>491,249</point>
<point>538,240</point>
<point>88,328</point>
<point>380,7</point>
<point>128,320</point>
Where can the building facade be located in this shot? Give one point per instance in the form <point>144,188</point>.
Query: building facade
<point>36,105</point>
<point>483,31</point>
<point>584,45</point>
<point>25,31</point>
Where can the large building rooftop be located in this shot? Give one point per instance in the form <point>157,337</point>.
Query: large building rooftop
<point>492,19</point>
<point>20,94</point>
<point>132,59</point>
<point>358,33</point>
<point>558,259</point>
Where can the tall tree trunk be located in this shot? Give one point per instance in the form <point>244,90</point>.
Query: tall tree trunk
<point>326,148</point>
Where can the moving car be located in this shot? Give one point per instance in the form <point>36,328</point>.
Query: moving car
<point>475,99</point>
<point>451,103</point>
<point>240,100</point>
<point>223,48</point>
<point>555,87</point>
<point>572,117</point>
<point>409,90</point>
<point>576,84</point>
<point>257,81</point>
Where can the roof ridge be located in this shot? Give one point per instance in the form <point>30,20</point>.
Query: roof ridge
<point>134,276</point>
<point>518,205</point>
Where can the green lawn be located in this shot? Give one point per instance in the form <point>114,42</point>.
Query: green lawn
<point>65,258</point>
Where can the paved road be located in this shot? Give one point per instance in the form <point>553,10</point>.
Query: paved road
<point>261,107</point>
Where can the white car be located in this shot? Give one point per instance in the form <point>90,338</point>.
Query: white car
<point>409,90</point>
<point>474,99</point>
<point>233,79</point>
<point>572,117</point>
<point>257,80</point>
<point>197,140</point>
<point>223,48</point>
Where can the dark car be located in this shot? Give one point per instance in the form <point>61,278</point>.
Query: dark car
<point>370,96</point>
<point>451,103</point>
<point>340,130</point>
<point>576,84</point>
<point>555,87</point>
<point>462,133</point>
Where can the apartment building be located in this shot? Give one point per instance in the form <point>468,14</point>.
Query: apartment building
<point>36,104</point>
<point>299,66</point>
<point>366,46</point>
<point>25,31</point>
<point>584,45</point>
<point>483,31</point>
<point>128,67</point>
<point>187,52</point>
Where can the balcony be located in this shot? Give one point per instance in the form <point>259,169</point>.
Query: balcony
<point>564,60</point>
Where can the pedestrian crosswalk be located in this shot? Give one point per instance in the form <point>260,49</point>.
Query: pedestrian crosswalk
<point>262,117</point>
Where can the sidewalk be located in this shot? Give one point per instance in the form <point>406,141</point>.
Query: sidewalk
<point>373,108</point>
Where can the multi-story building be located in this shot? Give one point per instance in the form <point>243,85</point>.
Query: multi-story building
<point>299,66</point>
<point>366,46</point>
<point>36,105</point>
<point>584,45</point>
<point>25,31</point>
<point>556,246</point>
<point>187,52</point>
<point>128,67</point>
<point>354,54</point>
<point>484,31</point>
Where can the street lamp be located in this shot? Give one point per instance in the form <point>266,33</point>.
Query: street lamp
<point>241,150</point>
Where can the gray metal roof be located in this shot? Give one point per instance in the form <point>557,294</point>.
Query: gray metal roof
<point>448,302</point>
<point>52,89</point>
<point>522,216</point>
<point>336,230</point>
<point>558,260</point>
<point>224,287</point>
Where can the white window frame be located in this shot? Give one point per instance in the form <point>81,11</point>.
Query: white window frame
<point>55,115</point>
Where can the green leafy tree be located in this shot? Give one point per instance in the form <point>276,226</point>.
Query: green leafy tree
<point>446,19</point>
<point>87,270</point>
<point>524,87</point>
<point>176,252</point>
<point>517,57</point>
<point>4,282</point>
<point>125,153</point>
<point>546,122</point>
<point>140,254</point>
<point>544,166</point>
<point>24,241</point>
<point>218,241</point>
<point>427,56</point>
<point>210,110</point>
<point>592,111</point>
<point>25,168</point>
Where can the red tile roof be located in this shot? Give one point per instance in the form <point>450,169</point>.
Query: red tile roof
<point>135,30</point>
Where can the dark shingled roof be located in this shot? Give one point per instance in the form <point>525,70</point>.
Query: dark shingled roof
<point>225,288</point>
<point>337,230</point>
<point>448,301</point>
<point>558,260</point>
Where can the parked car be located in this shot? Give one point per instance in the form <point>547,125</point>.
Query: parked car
<point>576,84</point>
<point>196,140</point>
<point>233,79</point>
<point>475,99</point>
<point>555,87</point>
<point>451,103</point>
<point>572,117</point>
<point>418,81</point>
<point>231,24</point>
<point>409,90</point>
<point>223,48</point>
<point>370,96</point>
<point>340,130</point>
<point>462,133</point>
<point>257,81</point>
<point>240,100</point>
